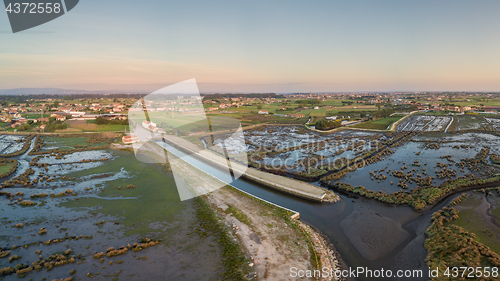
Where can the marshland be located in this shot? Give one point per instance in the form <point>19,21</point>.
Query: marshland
<point>92,200</point>
<point>63,204</point>
<point>392,196</point>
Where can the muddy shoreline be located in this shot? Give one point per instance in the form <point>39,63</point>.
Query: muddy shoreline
<point>331,248</point>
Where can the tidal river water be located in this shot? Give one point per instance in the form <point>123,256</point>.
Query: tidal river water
<point>365,232</point>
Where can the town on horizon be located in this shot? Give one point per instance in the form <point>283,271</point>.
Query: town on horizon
<point>34,112</point>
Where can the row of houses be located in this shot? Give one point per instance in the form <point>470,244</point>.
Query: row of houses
<point>73,109</point>
<point>14,123</point>
<point>18,122</point>
<point>228,105</point>
<point>446,108</point>
<point>62,117</point>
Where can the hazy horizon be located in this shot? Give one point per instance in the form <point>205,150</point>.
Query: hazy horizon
<point>341,46</point>
<point>41,91</point>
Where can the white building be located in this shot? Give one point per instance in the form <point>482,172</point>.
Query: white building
<point>147,124</point>
<point>130,138</point>
<point>76,113</point>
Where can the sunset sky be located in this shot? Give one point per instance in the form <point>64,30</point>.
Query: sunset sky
<point>260,46</point>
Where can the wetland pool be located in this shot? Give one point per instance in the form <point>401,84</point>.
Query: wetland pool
<point>112,203</point>
<point>365,232</point>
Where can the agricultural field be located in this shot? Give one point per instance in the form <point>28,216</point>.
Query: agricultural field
<point>248,119</point>
<point>477,101</point>
<point>354,111</point>
<point>112,128</point>
<point>191,123</point>
<point>31,115</point>
<point>312,112</point>
<point>379,124</point>
<point>335,102</point>
<point>75,142</point>
<point>253,119</point>
<point>91,126</point>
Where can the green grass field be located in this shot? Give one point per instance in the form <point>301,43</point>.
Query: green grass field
<point>434,113</point>
<point>34,115</point>
<point>248,115</point>
<point>112,128</point>
<point>293,107</point>
<point>68,143</point>
<point>312,112</point>
<point>379,124</point>
<point>154,200</point>
<point>470,121</point>
<point>334,102</point>
<point>478,102</point>
<point>349,110</point>
<point>472,221</point>
<point>5,168</point>
<point>251,119</point>
<point>91,126</point>
<point>496,212</point>
<point>472,101</point>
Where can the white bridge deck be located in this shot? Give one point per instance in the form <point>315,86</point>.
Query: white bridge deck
<point>277,182</point>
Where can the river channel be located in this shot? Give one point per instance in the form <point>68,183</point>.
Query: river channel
<point>365,232</point>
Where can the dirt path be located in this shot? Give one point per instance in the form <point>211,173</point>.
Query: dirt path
<point>274,245</point>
